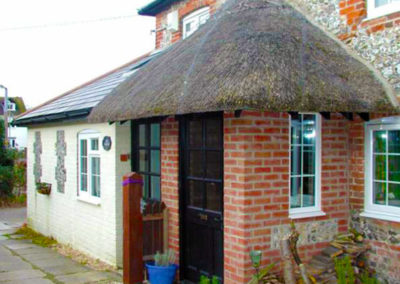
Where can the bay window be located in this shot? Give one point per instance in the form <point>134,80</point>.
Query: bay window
<point>305,164</point>
<point>89,165</point>
<point>193,21</point>
<point>382,175</point>
<point>378,8</point>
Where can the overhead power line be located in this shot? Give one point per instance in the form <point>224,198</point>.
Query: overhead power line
<point>65,24</point>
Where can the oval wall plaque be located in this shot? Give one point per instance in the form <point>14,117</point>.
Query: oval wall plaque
<point>107,143</point>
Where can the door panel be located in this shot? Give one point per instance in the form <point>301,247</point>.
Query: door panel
<point>202,197</point>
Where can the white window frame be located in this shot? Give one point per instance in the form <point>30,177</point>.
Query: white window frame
<point>375,12</point>
<point>194,17</point>
<point>371,210</point>
<point>88,196</point>
<point>312,211</point>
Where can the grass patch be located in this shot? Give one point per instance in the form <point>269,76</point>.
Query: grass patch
<point>38,239</point>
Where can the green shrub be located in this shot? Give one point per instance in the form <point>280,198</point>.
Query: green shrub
<point>6,181</point>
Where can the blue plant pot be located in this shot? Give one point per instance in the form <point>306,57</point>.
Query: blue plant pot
<point>161,274</point>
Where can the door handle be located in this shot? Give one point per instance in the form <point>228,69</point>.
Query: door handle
<point>203,217</point>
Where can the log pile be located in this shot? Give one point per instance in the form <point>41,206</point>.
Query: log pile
<point>322,266</point>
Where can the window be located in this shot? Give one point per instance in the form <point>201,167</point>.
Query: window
<point>194,20</point>
<point>89,166</point>
<point>382,198</point>
<point>147,157</point>
<point>377,8</point>
<point>305,161</point>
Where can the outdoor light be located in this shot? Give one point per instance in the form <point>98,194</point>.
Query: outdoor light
<point>255,256</point>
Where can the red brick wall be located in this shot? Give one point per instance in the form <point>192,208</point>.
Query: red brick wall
<point>184,8</point>
<point>384,255</point>
<point>169,178</point>
<point>355,13</point>
<point>257,186</point>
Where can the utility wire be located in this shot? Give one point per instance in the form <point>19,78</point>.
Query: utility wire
<point>65,24</point>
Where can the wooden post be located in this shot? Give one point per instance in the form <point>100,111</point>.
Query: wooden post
<point>133,229</point>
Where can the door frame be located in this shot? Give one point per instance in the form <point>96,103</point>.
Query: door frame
<point>182,119</point>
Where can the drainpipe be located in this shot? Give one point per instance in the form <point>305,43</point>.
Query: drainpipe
<point>5,108</point>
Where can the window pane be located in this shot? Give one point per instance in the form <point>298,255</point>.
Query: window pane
<point>196,164</point>
<point>94,144</point>
<point>83,147</point>
<point>380,141</point>
<point>295,192</point>
<point>142,135</point>
<point>394,141</point>
<point>295,160</point>
<point>84,182</point>
<point>143,162</point>
<point>213,133</point>
<point>95,166</point>
<point>214,165</point>
<point>96,186</point>
<point>195,133</point>
<point>146,185</point>
<point>309,129</point>
<point>155,188</point>
<point>309,160</point>
<point>394,168</point>
<point>380,193</point>
<point>394,194</point>
<point>213,197</point>
<point>295,130</point>
<point>308,191</point>
<point>380,167</point>
<point>155,161</point>
<point>196,193</point>
<point>379,3</point>
<point>155,135</point>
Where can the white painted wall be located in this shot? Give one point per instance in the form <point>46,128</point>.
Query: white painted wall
<point>93,229</point>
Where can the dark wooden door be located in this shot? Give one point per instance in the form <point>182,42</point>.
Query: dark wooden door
<point>202,197</point>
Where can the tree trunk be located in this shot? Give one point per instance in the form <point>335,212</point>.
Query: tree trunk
<point>287,261</point>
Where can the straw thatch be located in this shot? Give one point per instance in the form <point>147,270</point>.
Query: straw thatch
<point>253,54</point>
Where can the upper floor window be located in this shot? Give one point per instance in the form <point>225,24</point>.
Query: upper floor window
<point>305,164</point>
<point>147,161</point>
<point>194,20</point>
<point>89,165</point>
<point>377,8</point>
<point>382,194</point>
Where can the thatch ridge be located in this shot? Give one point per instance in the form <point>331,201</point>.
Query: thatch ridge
<point>253,54</point>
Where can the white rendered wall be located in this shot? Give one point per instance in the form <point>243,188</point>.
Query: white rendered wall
<point>93,229</point>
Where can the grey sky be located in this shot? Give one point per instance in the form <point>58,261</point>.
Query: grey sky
<point>48,47</point>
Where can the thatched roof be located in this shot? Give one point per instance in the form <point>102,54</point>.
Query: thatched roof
<point>253,54</point>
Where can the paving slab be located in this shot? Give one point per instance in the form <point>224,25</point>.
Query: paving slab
<point>19,246</point>
<point>31,250</point>
<point>86,277</point>
<point>41,256</point>
<point>66,269</point>
<point>16,237</point>
<point>3,238</point>
<point>30,281</point>
<point>21,275</point>
<point>14,266</point>
<point>51,262</point>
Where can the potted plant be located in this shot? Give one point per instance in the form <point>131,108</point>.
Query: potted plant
<point>43,188</point>
<point>162,270</point>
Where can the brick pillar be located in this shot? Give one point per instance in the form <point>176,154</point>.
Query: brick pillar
<point>169,178</point>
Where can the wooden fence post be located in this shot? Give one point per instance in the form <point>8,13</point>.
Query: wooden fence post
<point>133,229</point>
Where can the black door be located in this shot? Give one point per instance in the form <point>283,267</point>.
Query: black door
<point>202,197</point>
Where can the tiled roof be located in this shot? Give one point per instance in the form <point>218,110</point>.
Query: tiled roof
<point>88,95</point>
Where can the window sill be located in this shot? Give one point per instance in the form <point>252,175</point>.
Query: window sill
<point>306,214</point>
<point>381,216</point>
<point>91,201</point>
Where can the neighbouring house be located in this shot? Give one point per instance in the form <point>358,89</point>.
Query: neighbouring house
<point>255,113</point>
<point>17,136</point>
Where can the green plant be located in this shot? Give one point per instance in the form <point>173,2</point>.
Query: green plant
<point>164,259</point>
<point>261,274</point>
<point>205,280</point>
<point>365,278</point>
<point>6,181</point>
<point>43,188</point>
<point>344,270</point>
<point>36,238</point>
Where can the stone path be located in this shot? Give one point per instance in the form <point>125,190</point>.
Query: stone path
<point>24,262</point>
